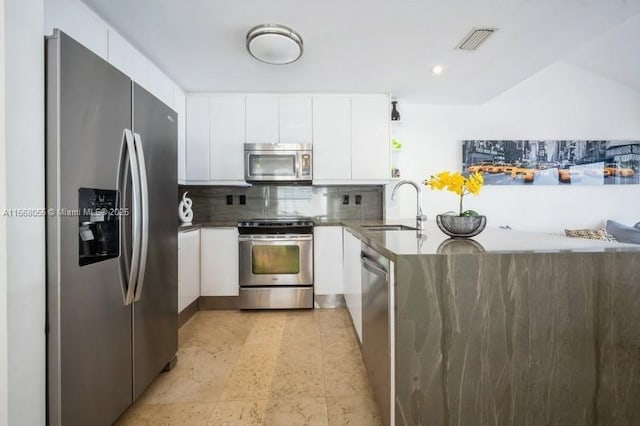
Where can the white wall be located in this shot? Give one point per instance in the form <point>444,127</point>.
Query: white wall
<point>560,102</point>
<point>25,189</point>
<point>4,419</point>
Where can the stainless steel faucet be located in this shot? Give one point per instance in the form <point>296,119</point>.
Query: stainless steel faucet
<point>420,217</point>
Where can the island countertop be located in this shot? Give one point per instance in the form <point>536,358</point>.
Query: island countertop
<point>491,240</point>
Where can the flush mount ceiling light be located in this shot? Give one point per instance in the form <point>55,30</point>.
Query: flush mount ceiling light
<point>274,44</point>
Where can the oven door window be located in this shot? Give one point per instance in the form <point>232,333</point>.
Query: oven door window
<point>272,165</point>
<point>271,260</point>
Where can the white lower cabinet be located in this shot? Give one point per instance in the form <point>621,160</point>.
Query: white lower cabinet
<point>327,254</point>
<point>352,279</point>
<point>188,267</point>
<point>219,262</point>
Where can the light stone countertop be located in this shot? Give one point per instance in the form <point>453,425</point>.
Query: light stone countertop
<point>491,240</point>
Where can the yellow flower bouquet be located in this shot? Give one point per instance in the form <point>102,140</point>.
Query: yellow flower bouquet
<point>467,223</point>
<point>461,185</point>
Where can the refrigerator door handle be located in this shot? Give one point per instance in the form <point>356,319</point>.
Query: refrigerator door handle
<point>129,272</point>
<point>144,187</point>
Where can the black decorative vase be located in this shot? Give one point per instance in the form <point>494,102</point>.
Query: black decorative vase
<point>395,115</point>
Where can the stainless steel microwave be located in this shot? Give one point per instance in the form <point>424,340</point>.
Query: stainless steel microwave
<point>278,163</point>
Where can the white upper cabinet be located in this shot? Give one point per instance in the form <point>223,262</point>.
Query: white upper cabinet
<point>227,137</point>
<point>78,21</point>
<point>126,58</point>
<point>262,119</point>
<point>279,119</point>
<point>370,137</point>
<point>180,102</point>
<point>295,119</point>
<point>197,149</point>
<point>350,134</point>
<point>331,138</point>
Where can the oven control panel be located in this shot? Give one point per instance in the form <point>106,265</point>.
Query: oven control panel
<point>272,226</point>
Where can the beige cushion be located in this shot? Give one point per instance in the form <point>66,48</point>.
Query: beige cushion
<point>591,234</point>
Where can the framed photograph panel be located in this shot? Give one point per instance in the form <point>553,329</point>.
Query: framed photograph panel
<point>553,162</point>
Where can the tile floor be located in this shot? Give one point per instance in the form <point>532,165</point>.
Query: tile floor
<point>262,368</point>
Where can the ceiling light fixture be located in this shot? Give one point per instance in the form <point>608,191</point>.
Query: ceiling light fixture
<point>437,70</point>
<point>274,44</point>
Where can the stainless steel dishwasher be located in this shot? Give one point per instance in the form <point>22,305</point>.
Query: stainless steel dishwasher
<point>377,330</point>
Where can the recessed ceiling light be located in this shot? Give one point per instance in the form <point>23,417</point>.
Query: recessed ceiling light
<point>437,70</point>
<point>274,44</point>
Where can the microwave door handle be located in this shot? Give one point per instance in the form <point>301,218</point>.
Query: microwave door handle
<point>297,166</point>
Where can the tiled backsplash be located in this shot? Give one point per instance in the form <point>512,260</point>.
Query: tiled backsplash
<point>269,201</point>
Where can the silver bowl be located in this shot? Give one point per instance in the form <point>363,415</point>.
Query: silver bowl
<point>461,226</point>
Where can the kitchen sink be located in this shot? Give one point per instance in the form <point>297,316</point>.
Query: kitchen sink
<point>388,228</point>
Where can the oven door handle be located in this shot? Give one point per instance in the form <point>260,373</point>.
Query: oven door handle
<point>278,237</point>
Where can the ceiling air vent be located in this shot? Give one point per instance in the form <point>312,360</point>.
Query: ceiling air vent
<point>475,38</point>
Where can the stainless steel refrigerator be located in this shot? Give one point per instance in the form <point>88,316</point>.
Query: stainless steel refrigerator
<point>111,236</point>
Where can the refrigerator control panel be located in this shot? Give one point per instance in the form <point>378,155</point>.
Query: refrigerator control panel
<point>98,225</point>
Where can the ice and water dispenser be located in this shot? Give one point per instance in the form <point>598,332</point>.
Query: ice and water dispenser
<point>99,225</point>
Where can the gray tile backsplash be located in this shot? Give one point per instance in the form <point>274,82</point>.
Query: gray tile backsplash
<point>210,203</point>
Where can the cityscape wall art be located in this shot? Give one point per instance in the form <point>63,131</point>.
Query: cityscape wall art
<point>553,162</point>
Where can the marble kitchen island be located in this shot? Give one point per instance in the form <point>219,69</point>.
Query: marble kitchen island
<point>513,328</point>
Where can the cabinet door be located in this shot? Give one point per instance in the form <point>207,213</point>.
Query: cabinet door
<point>327,253</point>
<point>370,144</point>
<point>141,70</point>
<point>188,268</point>
<point>352,280</point>
<point>197,163</point>
<point>227,137</point>
<point>180,104</point>
<point>262,119</point>
<point>331,138</point>
<point>295,119</point>
<point>78,21</point>
<point>219,265</point>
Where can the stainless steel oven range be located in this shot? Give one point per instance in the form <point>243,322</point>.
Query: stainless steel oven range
<point>276,263</point>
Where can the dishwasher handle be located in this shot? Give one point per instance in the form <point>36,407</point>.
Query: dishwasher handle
<point>373,266</point>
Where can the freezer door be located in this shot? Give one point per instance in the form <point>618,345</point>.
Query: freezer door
<point>89,324</point>
<point>156,307</point>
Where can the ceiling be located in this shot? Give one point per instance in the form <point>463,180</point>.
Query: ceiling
<point>369,45</point>
<point>618,55</point>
